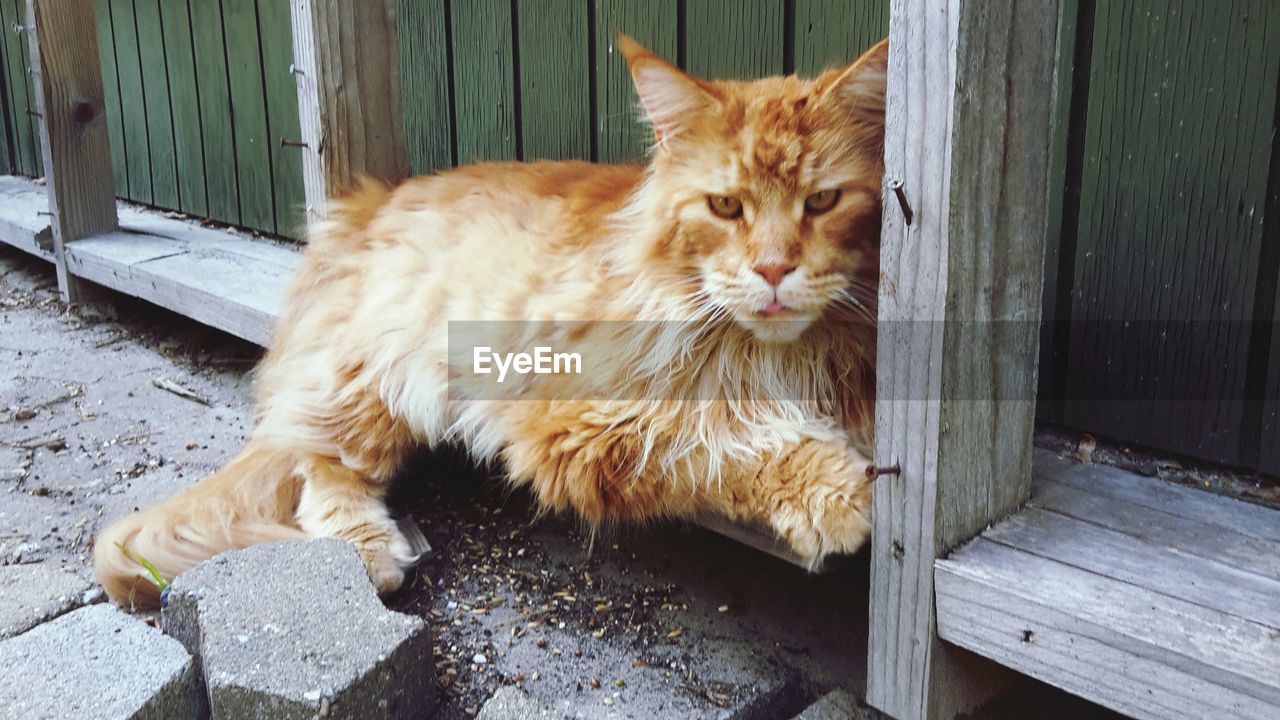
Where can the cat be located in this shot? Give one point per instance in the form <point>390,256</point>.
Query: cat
<point>742,260</point>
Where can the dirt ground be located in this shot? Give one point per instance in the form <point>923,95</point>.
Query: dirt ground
<point>103,412</point>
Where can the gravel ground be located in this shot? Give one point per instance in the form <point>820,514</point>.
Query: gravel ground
<point>102,412</point>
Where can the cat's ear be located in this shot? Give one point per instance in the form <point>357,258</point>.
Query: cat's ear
<point>859,88</point>
<point>671,99</point>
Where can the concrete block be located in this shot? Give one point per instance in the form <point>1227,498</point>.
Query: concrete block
<point>97,662</point>
<point>32,594</point>
<point>835,705</point>
<point>511,703</point>
<point>296,630</point>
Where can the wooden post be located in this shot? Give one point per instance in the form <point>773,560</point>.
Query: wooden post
<point>969,114</point>
<point>347,67</point>
<point>67,78</point>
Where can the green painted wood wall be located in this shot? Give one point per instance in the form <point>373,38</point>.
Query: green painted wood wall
<point>1161,282</point>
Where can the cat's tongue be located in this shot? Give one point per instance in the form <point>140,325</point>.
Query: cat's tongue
<point>772,308</point>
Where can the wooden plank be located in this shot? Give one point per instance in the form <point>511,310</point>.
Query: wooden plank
<point>215,111</point>
<point>1202,539</point>
<point>733,39</point>
<point>248,114</point>
<point>184,105</point>
<point>1170,568</point>
<point>111,95</point>
<point>6,123</point>
<point>424,84</point>
<point>831,33</point>
<point>21,224</point>
<point>554,43</point>
<point>348,83</point>
<point>1171,222</point>
<point>289,198</point>
<point>1269,458</point>
<point>133,103</point>
<point>1139,652</point>
<point>25,134</point>
<point>760,538</point>
<point>955,404</point>
<point>67,82</point>
<point>1107,482</point>
<point>220,290</point>
<point>485,111</point>
<point>155,88</point>
<point>621,134</point>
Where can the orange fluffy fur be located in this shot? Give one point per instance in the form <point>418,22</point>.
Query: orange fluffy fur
<point>356,377</point>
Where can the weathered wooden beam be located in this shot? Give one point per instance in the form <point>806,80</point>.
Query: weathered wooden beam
<point>969,115</point>
<point>347,67</point>
<point>67,78</point>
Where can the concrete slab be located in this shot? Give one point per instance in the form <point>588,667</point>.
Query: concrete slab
<point>511,703</point>
<point>292,630</point>
<point>836,705</point>
<point>97,662</point>
<point>32,594</point>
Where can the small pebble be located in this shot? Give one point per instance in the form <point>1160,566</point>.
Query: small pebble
<point>479,659</point>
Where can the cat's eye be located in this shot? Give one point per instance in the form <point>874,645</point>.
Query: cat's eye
<point>821,201</point>
<point>725,206</point>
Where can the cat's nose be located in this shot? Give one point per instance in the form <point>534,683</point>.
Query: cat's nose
<point>773,273</point>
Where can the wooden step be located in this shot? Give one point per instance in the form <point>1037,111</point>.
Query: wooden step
<point>1153,599</point>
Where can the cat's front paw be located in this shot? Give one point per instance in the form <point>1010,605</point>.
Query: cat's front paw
<point>831,516</point>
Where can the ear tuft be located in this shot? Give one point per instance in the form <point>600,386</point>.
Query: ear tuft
<point>860,87</point>
<point>670,98</point>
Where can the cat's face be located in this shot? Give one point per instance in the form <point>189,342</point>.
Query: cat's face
<point>770,190</point>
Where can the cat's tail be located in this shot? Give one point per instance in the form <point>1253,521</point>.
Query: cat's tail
<point>250,500</point>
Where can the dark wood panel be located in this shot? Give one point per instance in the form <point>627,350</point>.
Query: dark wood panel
<point>282,117</point>
<point>248,114</point>
<point>484,81</point>
<point>830,33</point>
<point>1269,455</point>
<point>1182,99</point>
<point>555,80</point>
<point>621,133</point>
<point>111,96</point>
<point>215,111</point>
<point>733,39</point>
<point>424,85</point>
<point>184,105</point>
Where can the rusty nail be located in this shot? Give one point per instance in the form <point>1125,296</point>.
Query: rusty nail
<point>875,471</point>
<point>292,143</point>
<point>19,28</point>
<point>896,186</point>
<point>293,69</point>
<point>34,113</point>
<point>44,212</point>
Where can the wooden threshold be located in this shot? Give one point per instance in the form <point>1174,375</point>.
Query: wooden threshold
<point>221,278</point>
<point>1152,599</point>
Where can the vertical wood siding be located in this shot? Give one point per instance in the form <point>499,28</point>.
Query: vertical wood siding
<point>1161,282</point>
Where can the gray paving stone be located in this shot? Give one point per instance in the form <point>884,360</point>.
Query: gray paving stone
<point>510,703</point>
<point>32,594</point>
<point>295,629</point>
<point>835,705</point>
<point>97,662</point>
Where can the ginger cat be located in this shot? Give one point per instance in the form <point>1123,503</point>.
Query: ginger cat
<point>750,240</point>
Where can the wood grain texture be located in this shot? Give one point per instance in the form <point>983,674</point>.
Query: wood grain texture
<point>22,101</point>
<point>76,148</point>
<point>159,114</point>
<point>831,33</point>
<point>424,85</point>
<point>1182,106</point>
<point>184,106</point>
<point>621,133</point>
<point>484,81</point>
<point>21,224</point>
<point>215,111</point>
<point>248,114</point>
<point>348,94</point>
<point>111,96</point>
<point>733,39</point>
<point>958,317</point>
<point>1137,651</point>
<point>555,80</point>
<point>133,102</point>
<point>9,42</point>
<point>288,197</point>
